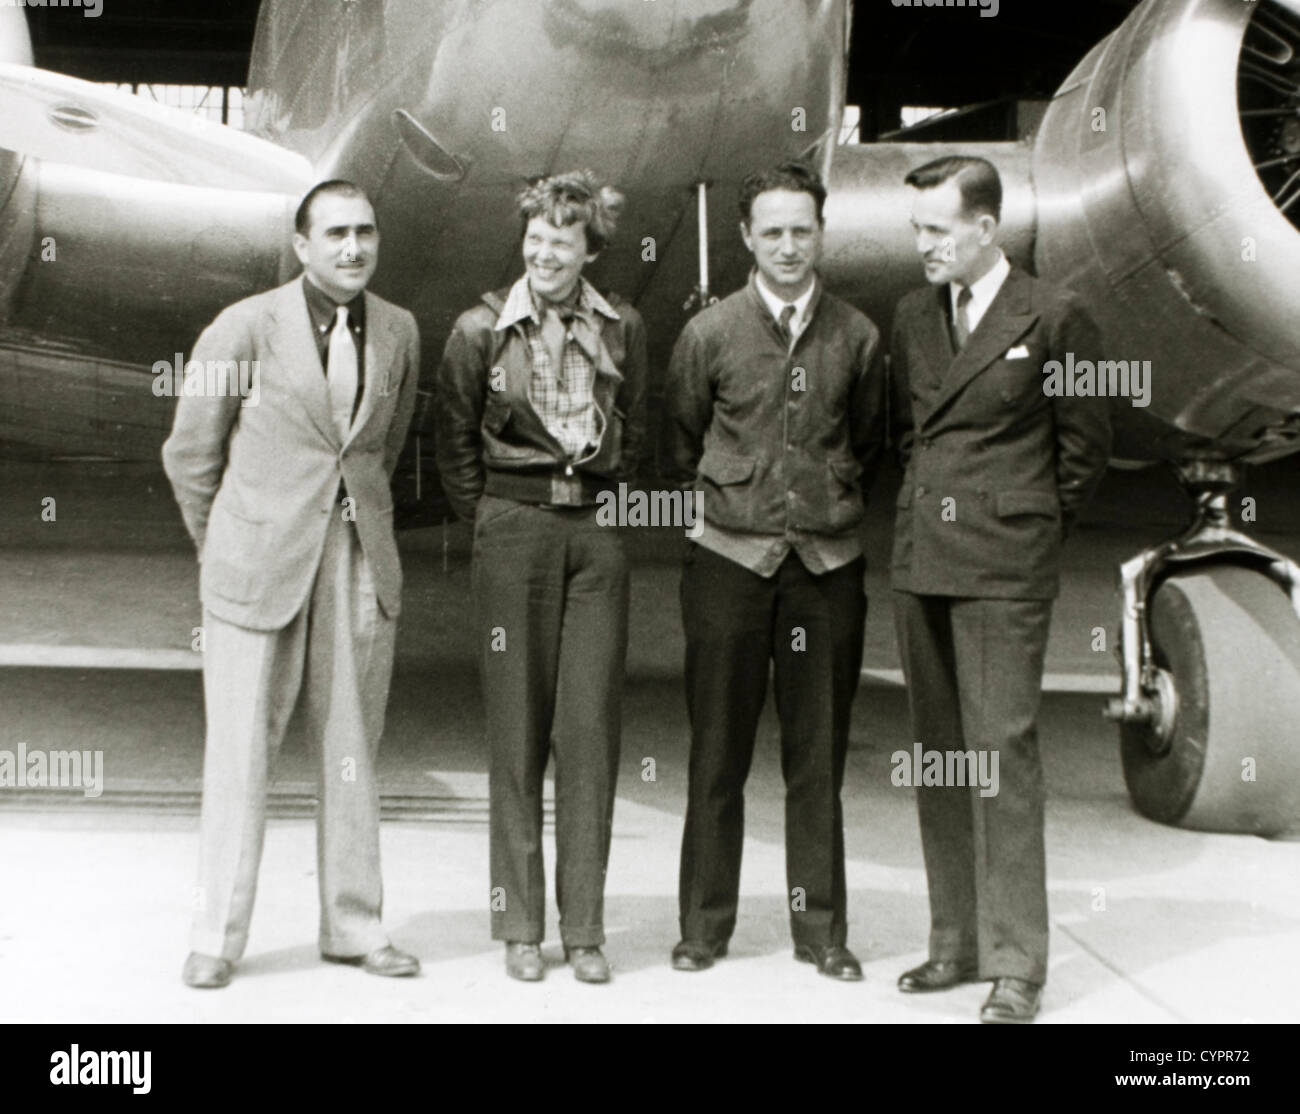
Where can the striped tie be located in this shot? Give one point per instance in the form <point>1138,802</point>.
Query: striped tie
<point>784,325</point>
<point>342,373</point>
<point>961,323</point>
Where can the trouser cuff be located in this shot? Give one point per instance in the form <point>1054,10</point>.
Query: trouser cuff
<point>589,936</point>
<point>518,933</point>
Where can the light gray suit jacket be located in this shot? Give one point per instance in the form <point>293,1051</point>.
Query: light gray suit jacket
<point>257,483</point>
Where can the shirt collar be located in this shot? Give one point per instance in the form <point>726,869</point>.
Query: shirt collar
<point>982,290</point>
<point>324,308</point>
<point>775,304</point>
<point>520,305</point>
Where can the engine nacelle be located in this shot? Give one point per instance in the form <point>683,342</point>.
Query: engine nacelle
<point>1161,171</point>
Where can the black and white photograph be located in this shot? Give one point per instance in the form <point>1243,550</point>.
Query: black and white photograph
<point>650,512</point>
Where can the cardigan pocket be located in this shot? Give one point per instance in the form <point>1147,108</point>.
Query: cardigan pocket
<point>725,468</point>
<point>724,478</point>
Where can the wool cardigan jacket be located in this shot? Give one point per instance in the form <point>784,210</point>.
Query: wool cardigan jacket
<point>775,439</point>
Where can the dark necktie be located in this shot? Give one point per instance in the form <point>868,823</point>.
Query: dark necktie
<point>961,323</point>
<point>783,325</point>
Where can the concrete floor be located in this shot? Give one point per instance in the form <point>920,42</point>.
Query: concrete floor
<point>1149,924</point>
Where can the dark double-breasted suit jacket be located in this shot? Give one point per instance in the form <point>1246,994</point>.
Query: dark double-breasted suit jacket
<point>996,471</point>
<point>978,429</point>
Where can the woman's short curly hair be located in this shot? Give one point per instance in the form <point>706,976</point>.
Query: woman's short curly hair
<point>578,196</point>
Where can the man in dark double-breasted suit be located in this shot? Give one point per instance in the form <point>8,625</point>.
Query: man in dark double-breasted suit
<point>996,470</point>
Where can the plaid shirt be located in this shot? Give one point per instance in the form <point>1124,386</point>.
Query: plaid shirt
<point>565,403</point>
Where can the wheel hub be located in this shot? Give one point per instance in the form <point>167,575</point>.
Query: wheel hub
<point>1157,708</point>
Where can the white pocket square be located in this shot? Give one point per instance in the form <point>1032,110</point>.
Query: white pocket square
<point>1020,352</point>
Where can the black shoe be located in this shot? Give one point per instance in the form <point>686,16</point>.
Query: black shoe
<point>1012,1002</point>
<point>832,960</point>
<point>938,974</point>
<point>386,961</point>
<point>524,961</point>
<point>697,955</point>
<point>589,964</point>
<point>207,972</point>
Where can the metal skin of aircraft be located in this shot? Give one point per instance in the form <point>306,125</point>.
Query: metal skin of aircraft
<point>1163,185</point>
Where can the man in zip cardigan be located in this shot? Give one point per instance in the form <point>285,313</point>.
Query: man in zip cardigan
<point>775,413</point>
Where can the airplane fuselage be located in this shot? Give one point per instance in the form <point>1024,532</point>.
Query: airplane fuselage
<point>444,111</point>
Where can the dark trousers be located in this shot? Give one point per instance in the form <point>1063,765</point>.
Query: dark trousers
<point>810,628</point>
<point>974,671</point>
<point>552,596</point>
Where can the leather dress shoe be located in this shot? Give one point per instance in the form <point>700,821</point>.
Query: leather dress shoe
<point>697,955</point>
<point>387,961</point>
<point>832,960</point>
<point>1011,1002</point>
<point>524,961</point>
<point>589,964</point>
<point>207,972</point>
<point>938,974</point>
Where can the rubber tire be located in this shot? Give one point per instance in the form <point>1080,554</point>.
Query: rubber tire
<point>1231,641</point>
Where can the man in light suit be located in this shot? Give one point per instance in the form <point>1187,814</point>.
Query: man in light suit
<point>286,495</point>
<point>997,470</point>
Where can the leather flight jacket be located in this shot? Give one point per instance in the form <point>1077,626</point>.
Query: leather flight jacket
<point>492,441</point>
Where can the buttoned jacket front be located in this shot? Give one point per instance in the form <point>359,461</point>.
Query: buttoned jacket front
<point>256,478</point>
<point>996,468</point>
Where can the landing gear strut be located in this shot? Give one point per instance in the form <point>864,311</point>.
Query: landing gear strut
<point>702,296</point>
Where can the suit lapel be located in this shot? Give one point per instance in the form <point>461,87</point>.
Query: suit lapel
<point>381,351</point>
<point>295,348</point>
<point>1006,321</point>
<point>936,340</point>
<point>929,326</point>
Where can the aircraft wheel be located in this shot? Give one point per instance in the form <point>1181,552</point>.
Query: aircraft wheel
<point>1228,758</point>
